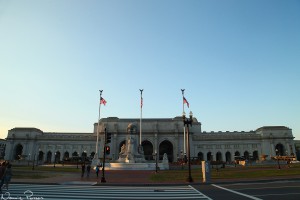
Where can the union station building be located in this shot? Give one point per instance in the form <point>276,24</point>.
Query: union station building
<point>161,135</point>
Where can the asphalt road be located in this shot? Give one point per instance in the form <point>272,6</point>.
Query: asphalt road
<point>272,190</point>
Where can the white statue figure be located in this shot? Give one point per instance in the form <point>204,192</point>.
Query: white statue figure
<point>123,149</point>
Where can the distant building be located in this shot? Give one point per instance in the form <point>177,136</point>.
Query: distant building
<point>162,135</point>
<point>2,148</point>
<point>297,147</point>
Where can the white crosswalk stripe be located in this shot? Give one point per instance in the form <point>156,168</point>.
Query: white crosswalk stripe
<point>53,192</point>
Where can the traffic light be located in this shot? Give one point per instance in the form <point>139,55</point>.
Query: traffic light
<point>108,138</point>
<point>107,150</point>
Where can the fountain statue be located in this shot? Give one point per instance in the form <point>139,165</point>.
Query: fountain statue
<point>130,152</point>
<point>131,155</point>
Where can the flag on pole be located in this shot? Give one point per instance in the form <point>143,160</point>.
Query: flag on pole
<point>102,101</point>
<point>141,102</point>
<point>185,101</point>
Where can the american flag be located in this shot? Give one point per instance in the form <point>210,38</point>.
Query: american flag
<point>185,101</point>
<point>102,101</point>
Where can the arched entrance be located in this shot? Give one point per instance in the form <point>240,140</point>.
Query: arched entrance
<point>66,156</point>
<point>166,147</point>
<point>255,155</point>
<point>219,156</point>
<point>57,156</point>
<point>209,156</point>
<point>49,155</point>
<point>200,156</point>
<point>279,149</point>
<point>246,155</point>
<point>41,156</point>
<point>148,150</point>
<point>18,152</point>
<point>237,153</point>
<point>228,157</point>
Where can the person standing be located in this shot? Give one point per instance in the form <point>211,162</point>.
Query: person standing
<point>2,171</point>
<point>97,170</point>
<point>88,170</point>
<point>7,176</point>
<point>82,169</point>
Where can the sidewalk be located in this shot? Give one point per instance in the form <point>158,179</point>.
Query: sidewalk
<point>132,177</point>
<point>112,177</point>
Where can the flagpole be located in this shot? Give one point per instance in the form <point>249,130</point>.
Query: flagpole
<point>184,150</point>
<point>141,116</point>
<point>96,154</point>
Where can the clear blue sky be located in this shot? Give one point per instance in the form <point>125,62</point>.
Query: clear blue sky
<point>239,62</point>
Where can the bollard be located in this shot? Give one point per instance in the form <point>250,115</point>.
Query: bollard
<point>206,171</point>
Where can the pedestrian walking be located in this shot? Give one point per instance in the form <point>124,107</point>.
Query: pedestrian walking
<point>97,170</point>
<point>82,169</point>
<point>7,177</point>
<point>88,170</point>
<point>2,172</point>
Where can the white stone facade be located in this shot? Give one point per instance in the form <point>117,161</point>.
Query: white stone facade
<point>163,135</point>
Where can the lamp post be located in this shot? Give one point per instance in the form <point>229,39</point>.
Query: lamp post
<point>29,158</point>
<point>103,180</point>
<point>33,162</point>
<point>156,162</point>
<point>54,159</point>
<point>181,152</point>
<point>277,153</point>
<point>187,122</point>
<point>250,158</point>
<point>39,157</point>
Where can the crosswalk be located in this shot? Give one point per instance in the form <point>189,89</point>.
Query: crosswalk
<point>63,192</point>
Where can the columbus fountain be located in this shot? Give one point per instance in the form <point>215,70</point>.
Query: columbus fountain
<point>131,156</point>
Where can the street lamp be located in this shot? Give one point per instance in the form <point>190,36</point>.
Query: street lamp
<point>250,156</point>
<point>29,158</point>
<point>54,159</point>
<point>277,153</point>
<point>156,161</point>
<point>181,152</point>
<point>187,122</point>
<point>33,162</point>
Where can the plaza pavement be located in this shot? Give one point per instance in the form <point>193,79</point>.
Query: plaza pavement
<point>130,177</point>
